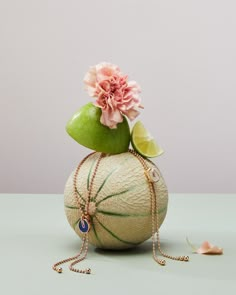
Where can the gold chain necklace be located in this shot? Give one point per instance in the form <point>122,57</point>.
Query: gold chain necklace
<point>152,176</point>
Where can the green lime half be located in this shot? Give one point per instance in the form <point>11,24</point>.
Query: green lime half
<point>86,129</point>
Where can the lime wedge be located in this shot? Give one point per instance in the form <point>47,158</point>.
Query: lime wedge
<point>143,142</point>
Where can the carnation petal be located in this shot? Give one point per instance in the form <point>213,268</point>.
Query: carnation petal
<point>90,77</point>
<point>134,86</point>
<point>131,114</point>
<point>106,70</point>
<point>207,248</point>
<point>111,119</point>
<point>91,91</point>
<point>116,116</point>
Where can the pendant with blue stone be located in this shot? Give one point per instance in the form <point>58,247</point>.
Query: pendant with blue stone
<point>83,225</point>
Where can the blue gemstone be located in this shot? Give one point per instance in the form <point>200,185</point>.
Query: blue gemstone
<point>83,225</point>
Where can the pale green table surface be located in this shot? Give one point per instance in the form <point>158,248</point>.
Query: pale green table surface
<point>34,234</point>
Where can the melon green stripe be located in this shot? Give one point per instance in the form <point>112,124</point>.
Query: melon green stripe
<point>120,193</point>
<point>113,195</point>
<point>114,235</point>
<point>71,207</point>
<point>103,183</point>
<point>105,180</point>
<point>117,214</point>
<point>75,224</point>
<point>83,199</point>
<point>89,174</point>
<point>95,232</point>
<point>80,195</point>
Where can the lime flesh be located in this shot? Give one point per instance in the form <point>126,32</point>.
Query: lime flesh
<point>143,142</point>
<point>86,129</point>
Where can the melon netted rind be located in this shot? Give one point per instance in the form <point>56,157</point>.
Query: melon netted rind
<point>120,204</point>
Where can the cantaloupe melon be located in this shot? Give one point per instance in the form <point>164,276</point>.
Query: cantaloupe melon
<point>120,201</point>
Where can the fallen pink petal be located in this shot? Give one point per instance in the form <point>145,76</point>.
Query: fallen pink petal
<point>206,248</point>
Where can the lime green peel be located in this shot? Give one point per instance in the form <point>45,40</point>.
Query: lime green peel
<point>85,128</point>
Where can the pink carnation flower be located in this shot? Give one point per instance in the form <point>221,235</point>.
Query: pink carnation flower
<point>115,95</point>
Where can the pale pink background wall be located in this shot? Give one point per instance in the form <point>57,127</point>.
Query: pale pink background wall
<point>182,53</point>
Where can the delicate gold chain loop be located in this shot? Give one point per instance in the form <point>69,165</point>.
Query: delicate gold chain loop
<point>154,208</point>
<point>84,215</point>
<point>85,250</point>
<point>59,269</point>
